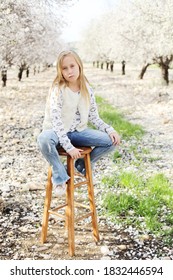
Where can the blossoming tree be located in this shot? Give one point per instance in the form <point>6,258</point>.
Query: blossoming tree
<point>136,31</point>
<point>30,30</point>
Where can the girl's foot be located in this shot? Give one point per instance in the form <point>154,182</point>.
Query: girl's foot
<point>80,166</point>
<point>60,190</point>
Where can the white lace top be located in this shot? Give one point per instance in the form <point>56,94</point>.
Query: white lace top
<point>67,111</point>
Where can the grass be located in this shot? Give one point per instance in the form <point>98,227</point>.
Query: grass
<point>111,116</point>
<point>150,201</point>
<point>116,155</point>
<point>130,198</point>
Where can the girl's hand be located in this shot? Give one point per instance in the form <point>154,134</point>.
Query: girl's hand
<point>75,153</point>
<point>115,138</point>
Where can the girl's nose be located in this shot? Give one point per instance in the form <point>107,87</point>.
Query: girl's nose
<point>69,72</point>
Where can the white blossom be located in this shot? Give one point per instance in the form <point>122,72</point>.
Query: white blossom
<point>30,30</point>
<point>137,31</point>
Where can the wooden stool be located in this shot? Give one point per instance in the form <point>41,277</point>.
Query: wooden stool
<point>70,204</point>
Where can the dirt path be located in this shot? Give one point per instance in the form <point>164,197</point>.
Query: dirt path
<point>145,102</point>
<point>24,172</point>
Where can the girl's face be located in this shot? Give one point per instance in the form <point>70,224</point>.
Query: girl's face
<point>70,69</point>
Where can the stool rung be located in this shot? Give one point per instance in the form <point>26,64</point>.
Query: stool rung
<point>79,175</point>
<point>81,205</point>
<point>59,207</point>
<point>81,183</point>
<point>57,214</point>
<point>84,217</point>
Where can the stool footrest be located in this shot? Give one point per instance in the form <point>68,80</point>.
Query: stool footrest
<point>59,207</point>
<point>57,214</point>
<point>84,217</point>
<point>81,183</point>
<point>77,174</point>
<point>81,205</point>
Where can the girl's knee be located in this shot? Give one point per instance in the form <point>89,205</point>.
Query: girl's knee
<point>42,141</point>
<point>47,140</point>
<point>109,141</point>
<point>111,146</point>
<point>105,139</point>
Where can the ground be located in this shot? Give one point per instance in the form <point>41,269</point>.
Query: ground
<point>24,172</point>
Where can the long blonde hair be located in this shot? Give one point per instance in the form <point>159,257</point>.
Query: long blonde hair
<point>60,81</point>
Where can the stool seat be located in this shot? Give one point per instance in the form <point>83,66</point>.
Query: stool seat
<point>69,206</point>
<point>85,151</point>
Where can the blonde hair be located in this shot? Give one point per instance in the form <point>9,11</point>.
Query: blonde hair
<point>60,81</point>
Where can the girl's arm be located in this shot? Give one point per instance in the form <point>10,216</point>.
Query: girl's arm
<point>94,116</point>
<point>57,124</point>
<point>99,123</point>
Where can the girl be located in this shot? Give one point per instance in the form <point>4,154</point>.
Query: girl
<point>70,106</point>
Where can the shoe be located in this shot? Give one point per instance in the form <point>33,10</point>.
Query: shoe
<point>80,166</point>
<point>60,190</point>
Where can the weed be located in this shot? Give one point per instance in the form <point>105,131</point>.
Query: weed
<point>150,201</point>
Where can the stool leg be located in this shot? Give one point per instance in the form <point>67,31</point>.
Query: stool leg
<point>91,197</point>
<point>47,203</point>
<point>70,206</point>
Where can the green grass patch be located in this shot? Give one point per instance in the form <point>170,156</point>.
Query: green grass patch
<point>116,155</point>
<point>130,180</point>
<point>150,200</point>
<point>120,204</point>
<point>111,116</point>
<point>129,198</point>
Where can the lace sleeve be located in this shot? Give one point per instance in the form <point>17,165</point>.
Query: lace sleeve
<point>57,124</point>
<point>94,118</point>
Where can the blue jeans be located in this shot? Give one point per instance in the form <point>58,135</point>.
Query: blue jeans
<point>48,142</point>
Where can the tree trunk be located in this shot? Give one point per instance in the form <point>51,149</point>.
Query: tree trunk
<point>144,68</point>
<point>165,73</point>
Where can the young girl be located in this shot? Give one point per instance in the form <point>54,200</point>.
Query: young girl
<point>70,106</point>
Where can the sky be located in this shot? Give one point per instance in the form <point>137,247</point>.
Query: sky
<point>80,15</point>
